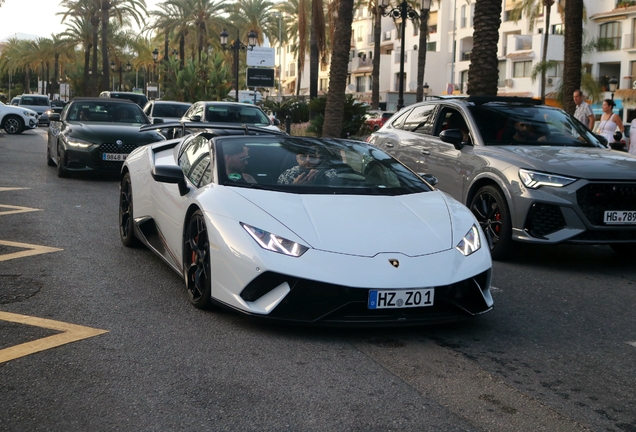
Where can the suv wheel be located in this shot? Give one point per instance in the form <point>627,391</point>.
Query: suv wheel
<point>490,208</point>
<point>13,125</point>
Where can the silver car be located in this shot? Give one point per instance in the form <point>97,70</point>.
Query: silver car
<point>530,173</point>
<point>38,103</point>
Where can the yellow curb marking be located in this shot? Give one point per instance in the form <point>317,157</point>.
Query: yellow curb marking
<point>2,189</point>
<point>70,333</point>
<point>16,209</point>
<point>31,250</point>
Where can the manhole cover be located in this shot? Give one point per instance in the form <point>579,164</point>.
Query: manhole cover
<point>15,288</point>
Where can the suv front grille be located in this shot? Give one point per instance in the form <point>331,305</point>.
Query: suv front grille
<point>595,198</point>
<point>544,219</point>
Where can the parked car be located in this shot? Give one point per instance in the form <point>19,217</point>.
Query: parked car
<point>529,173</point>
<point>138,98</point>
<point>15,120</point>
<point>224,213</point>
<point>15,101</point>
<point>376,119</point>
<point>228,113</point>
<point>96,135</point>
<point>38,103</point>
<point>57,106</point>
<point>168,111</point>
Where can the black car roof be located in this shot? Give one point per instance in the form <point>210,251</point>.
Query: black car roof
<point>101,100</point>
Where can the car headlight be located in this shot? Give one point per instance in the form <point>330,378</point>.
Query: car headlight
<point>29,114</point>
<point>470,243</point>
<point>275,243</point>
<point>535,180</point>
<point>74,142</point>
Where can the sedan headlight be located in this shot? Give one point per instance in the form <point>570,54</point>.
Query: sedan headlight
<point>535,180</point>
<point>74,142</point>
<point>470,243</point>
<point>275,243</point>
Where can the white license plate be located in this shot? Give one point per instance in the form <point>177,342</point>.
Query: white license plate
<point>620,217</point>
<point>387,299</point>
<point>114,156</point>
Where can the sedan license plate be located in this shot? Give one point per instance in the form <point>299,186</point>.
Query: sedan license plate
<point>114,156</point>
<point>620,217</point>
<point>387,299</point>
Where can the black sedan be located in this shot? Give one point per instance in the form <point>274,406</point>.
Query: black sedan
<point>96,135</point>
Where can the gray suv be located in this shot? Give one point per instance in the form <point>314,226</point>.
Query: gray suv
<point>529,172</point>
<point>38,103</point>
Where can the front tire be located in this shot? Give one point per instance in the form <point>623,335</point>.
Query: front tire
<point>196,262</point>
<point>61,171</point>
<point>13,125</point>
<point>126,221</point>
<point>490,208</point>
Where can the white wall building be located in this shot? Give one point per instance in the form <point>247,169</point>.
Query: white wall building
<point>449,51</point>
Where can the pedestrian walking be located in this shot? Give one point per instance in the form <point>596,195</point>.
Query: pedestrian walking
<point>583,112</point>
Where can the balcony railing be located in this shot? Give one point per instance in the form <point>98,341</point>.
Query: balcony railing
<point>465,56</point>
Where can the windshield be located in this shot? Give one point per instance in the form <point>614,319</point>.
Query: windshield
<point>312,165</point>
<point>507,124</point>
<point>238,114</point>
<point>106,112</point>
<point>170,110</point>
<point>139,99</point>
<point>34,101</point>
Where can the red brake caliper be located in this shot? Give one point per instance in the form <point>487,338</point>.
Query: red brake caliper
<point>497,227</point>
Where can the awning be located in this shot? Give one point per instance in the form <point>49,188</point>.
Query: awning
<point>598,110</point>
<point>289,80</point>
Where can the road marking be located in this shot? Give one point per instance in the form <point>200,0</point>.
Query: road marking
<point>16,209</point>
<point>464,388</point>
<point>632,344</point>
<point>70,333</point>
<point>30,250</point>
<point>3,189</point>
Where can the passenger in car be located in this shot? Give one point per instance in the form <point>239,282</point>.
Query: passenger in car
<point>525,132</point>
<point>310,169</point>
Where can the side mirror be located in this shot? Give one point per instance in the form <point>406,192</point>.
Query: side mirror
<point>157,120</point>
<point>54,117</point>
<point>452,136</point>
<point>170,174</point>
<point>429,178</point>
<point>196,118</point>
<point>276,122</point>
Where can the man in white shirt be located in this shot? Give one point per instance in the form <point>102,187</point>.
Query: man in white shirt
<point>583,112</point>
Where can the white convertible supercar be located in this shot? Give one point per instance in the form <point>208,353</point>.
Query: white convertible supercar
<point>307,230</point>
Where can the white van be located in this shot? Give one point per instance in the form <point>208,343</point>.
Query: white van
<point>247,96</point>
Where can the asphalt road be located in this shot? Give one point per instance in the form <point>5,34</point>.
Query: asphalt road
<point>558,353</point>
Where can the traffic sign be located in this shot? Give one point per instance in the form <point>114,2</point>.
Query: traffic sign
<point>260,77</point>
<point>261,56</point>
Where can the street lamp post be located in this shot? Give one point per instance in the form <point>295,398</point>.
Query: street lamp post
<point>613,85</point>
<point>237,46</point>
<point>112,68</point>
<point>403,11</point>
<point>155,56</point>
<point>425,88</point>
<point>280,51</point>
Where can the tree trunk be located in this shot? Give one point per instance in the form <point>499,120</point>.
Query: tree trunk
<point>334,110</point>
<point>95,75</point>
<point>375,73</point>
<point>483,72</point>
<point>314,62</point>
<point>421,55</point>
<point>573,41</point>
<point>56,78</point>
<point>87,76</point>
<point>105,63</point>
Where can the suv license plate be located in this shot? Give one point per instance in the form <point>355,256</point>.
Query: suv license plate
<point>388,299</point>
<point>114,156</point>
<point>619,217</point>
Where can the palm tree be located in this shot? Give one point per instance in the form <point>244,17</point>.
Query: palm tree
<point>120,10</point>
<point>79,32</point>
<point>421,54</point>
<point>533,9</point>
<point>317,44</point>
<point>573,52</point>
<point>334,109</point>
<point>373,6</point>
<point>483,72</point>
<point>165,20</point>
<point>13,58</point>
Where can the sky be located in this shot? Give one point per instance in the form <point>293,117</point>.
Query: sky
<point>36,17</point>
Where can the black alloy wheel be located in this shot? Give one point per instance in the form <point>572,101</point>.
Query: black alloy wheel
<point>13,125</point>
<point>126,221</point>
<point>49,159</point>
<point>61,171</point>
<point>196,262</point>
<point>490,208</point>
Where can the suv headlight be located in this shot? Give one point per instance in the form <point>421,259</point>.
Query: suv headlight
<point>471,242</point>
<point>534,179</point>
<point>275,243</point>
<point>29,113</point>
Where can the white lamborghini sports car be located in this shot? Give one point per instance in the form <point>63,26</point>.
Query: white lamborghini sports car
<point>305,230</point>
